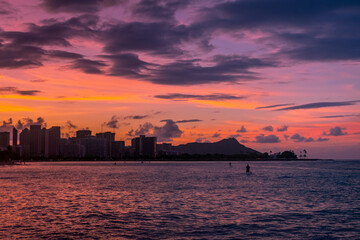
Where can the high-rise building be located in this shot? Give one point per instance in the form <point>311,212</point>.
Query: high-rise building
<point>4,140</point>
<point>25,141</point>
<point>83,133</point>
<point>52,142</point>
<point>35,140</point>
<point>117,149</point>
<point>71,148</point>
<point>144,146</point>
<point>94,147</point>
<point>43,141</point>
<point>15,136</point>
<point>109,137</point>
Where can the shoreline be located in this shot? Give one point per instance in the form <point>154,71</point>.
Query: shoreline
<point>22,162</point>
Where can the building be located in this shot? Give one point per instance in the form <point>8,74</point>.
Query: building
<point>109,137</point>
<point>144,146</point>
<point>4,140</point>
<point>83,133</point>
<point>25,141</point>
<point>43,136</point>
<point>117,149</point>
<point>52,142</point>
<point>70,148</point>
<point>164,149</point>
<point>106,135</point>
<point>94,147</point>
<point>35,140</point>
<point>15,136</point>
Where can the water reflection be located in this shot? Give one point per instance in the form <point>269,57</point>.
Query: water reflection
<point>80,200</point>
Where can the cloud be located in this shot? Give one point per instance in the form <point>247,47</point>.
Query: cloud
<point>241,130</point>
<point>224,69</point>
<point>313,40</point>
<point>70,125</point>
<point>38,80</point>
<point>160,38</point>
<point>320,139</point>
<point>127,64</point>
<point>234,136</point>
<point>336,131</point>
<point>282,129</point>
<point>19,125</point>
<point>13,56</point>
<point>15,90</point>
<point>319,105</point>
<point>88,66</point>
<point>216,135</point>
<point>158,9</point>
<point>29,121</point>
<point>267,139</point>
<point>5,8</point>
<point>188,121</point>
<point>71,6</point>
<point>167,132</point>
<point>53,32</point>
<point>339,116</point>
<point>64,54</point>
<point>7,123</point>
<point>143,129</point>
<point>136,117</point>
<point>274,106</point>
<point>113,122</point>
<point>298,138</point>
<point>268,128</point>
<point>210,97</point>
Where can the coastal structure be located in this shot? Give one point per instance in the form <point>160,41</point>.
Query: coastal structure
<point>144,146</point>
<point>4,140</point>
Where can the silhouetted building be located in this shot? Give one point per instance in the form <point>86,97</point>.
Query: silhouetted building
<point>43,142</point>
<point>4,140</point>
<point>52,142</point>
<point>83,133</point>
<point>117,149</point>
<point>25,141</point>
<point>165,149</point>
<point>94,147</point>
<point>35,140</point>
<point>144,146</point>
<point>109,138</point>
<point>70,148</point>
<point>107,135</point>
<point>15,136</point>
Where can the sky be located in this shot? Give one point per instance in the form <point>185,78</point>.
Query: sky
<point>275,74</point>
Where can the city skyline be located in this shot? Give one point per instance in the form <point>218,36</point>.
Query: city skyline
<point>281,75</point>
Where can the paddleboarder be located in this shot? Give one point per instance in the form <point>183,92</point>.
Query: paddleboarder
<point>247,169</point>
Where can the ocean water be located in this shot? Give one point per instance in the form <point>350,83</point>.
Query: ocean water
<point>180,200</point>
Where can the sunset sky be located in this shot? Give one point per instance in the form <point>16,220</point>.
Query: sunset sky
<point>275,74</point>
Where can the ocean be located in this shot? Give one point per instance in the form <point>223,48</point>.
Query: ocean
<point>180,200</point>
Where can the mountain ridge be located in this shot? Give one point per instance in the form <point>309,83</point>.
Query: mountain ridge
<point>227,146</point>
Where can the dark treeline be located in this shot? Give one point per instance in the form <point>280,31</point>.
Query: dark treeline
<point>9,155</point>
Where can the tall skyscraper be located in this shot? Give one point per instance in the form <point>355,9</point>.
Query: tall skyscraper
<point>15,136</point>
<point>83,133</point>
<point>109,138</point>
<point>25,141</point>
<point>43,136</point>
<point>35,140</point>
<point>4,140</point>
<point>52,142</point>
<point>144,146</point>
